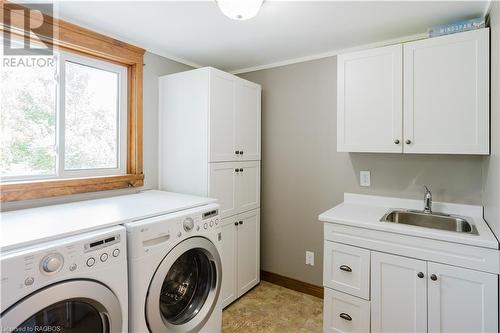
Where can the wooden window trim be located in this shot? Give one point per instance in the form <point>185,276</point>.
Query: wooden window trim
<point>73,38</point>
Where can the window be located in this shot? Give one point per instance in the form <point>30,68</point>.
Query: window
<point>75,125</point>
<point>63,118</point>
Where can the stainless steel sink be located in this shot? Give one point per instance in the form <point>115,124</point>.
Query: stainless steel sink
<point>430,220</point>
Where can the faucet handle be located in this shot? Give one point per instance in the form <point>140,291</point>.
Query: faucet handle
<point>427,189</point>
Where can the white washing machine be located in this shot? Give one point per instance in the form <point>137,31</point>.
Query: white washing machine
<point>76,284</point>
<point>175,272</point>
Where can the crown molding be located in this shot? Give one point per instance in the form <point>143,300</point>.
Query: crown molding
<point>332,53</point>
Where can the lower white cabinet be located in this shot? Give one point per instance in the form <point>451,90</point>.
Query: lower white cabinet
<point>399,296</point>
<point>345,313</point>
<point>461,300</point>
<point>240,255</point>
<point>406,295</point>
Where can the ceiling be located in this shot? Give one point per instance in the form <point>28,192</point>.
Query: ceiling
<point>197,33</point>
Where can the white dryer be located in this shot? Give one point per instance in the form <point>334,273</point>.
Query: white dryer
<point>175,272</point>
<point>76,284</point>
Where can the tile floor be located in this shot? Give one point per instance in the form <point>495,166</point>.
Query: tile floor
<point>269,308</point>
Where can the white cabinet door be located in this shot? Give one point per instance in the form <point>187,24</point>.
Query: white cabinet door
<point>369,100</point>
<point>248,120</point>
<point>229,260</point>
<point>222,186</point>
<point>398,294</point>
<point>222,115</point>
<point>446,94</point>
<point>462,300</point>
<point>247,185</point>
<point>248,251</point>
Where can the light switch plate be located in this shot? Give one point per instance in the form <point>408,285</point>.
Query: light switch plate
<point>364,178</point>
<point>310,258</point>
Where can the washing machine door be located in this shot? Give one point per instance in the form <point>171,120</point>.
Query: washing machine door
<point>185,288</point>
<point>73,306</point>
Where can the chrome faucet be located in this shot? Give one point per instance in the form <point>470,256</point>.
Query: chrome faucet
<point>427,201</point>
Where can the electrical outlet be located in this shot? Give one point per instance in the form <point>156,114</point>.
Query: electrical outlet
<point>364,178</point>
<point>310,258</point>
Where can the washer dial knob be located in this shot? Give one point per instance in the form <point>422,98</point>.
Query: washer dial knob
<point>188,224</point>
<point>52,263</point>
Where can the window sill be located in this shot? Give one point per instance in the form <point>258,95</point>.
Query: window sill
<point>17,191</point>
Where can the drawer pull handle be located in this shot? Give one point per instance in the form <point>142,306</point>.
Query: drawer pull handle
<point>345,268</point>
<point>345,316</point>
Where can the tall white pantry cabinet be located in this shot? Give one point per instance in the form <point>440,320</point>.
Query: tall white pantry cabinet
<point>210,146</point>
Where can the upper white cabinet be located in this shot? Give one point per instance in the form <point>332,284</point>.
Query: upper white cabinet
<point>247,121</point>
<point>234,118</point>
<point>446,94</point>
<point>369,100</point>
<point>428,96</point>
<point>222,117</point>
<point>206,116</point>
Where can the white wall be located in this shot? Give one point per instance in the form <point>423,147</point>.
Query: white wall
<point>155,66</point>
<point>491,165</point>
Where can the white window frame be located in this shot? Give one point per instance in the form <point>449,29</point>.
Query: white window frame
<point>60,173</point>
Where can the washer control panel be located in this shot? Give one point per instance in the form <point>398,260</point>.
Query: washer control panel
<point>150,235</point>
<point>65,258</point>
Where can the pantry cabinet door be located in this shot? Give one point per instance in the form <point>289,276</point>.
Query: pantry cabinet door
<point>399,294</point>
<point>462,300</point>
<point>247,185</point>
<point>446,94</point>
<point>369,100</point>
<point>222,186</point>
<point>248,120</point>
<point>229,260</point>
<point>222,117</point>
<point>248,251</point>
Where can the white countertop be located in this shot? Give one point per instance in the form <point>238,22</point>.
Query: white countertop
<point>365,211</point>
<point>29,226</point>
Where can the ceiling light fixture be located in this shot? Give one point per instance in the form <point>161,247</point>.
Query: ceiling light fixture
<point>240,9</point>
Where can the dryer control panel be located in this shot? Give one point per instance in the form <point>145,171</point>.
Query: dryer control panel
<point>156,233</point>
<point>72,257</point>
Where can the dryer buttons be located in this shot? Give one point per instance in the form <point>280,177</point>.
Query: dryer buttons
<point>205,225</point>
<point>116,252</point>
<point>104,257</point>
<point>52,263</point>
<point>29,281</point>
<point>72,267</point>
<point>90,262</point>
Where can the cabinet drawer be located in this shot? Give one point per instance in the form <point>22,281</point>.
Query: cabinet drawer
<point>347,269</point>
<point>345,313</point>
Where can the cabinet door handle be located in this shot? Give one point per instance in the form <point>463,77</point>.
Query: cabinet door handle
<point>396,141</point>
<point>345,268</point>
<point>236,223</point>
<point>434,277</point>
<point>241,170</point>
<point>237,152</point>
<point>237,170</point>
<point>420,275</point>
<point>241,152</point>
<point>408,141</point>
<point>345,316</point>
<point>241,222</point>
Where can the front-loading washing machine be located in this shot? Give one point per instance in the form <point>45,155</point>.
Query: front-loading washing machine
<point>175,272</point>
<point>76,284</point>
